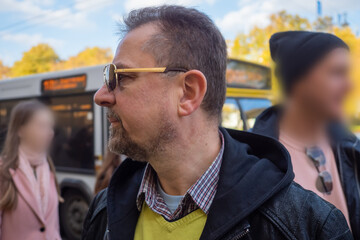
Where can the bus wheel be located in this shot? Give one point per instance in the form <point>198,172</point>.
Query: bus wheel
<point>72,214</point>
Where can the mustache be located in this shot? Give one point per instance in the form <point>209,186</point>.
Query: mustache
<point>111,114</point>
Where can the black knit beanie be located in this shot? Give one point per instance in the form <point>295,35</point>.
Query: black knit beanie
<point>296,52</point>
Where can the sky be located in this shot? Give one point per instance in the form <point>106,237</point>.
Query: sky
<point>70,26</point>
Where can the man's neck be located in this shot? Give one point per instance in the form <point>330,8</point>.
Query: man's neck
<point>185,161</point>
<point>302,123</point>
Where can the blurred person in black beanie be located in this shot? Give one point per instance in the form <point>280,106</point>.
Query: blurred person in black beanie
<point>297,52</point>
<point>313,69</point>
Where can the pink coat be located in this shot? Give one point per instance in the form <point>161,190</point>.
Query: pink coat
<point>25,222</point>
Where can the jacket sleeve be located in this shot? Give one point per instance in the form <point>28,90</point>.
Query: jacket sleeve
<point>335,227</point>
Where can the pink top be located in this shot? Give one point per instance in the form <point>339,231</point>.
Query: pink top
<point>306,173</point>
<point>27,221</point>
<point>36,214</point>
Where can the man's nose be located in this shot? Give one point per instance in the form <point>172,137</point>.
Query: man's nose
<point>104,98</point>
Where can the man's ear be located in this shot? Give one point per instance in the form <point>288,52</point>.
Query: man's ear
<point>194,87</point>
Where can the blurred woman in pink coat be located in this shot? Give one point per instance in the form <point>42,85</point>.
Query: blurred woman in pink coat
<point>29,194</point>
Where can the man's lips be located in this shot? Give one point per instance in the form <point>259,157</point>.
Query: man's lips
<point>113,120</point>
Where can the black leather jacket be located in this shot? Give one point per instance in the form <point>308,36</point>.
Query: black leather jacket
<point>256,199</point>
<point>346,148</point>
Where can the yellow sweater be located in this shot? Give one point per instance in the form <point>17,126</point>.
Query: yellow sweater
<point>152,226</point>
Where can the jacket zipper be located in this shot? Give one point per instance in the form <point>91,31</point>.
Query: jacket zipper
<point>242,234</point>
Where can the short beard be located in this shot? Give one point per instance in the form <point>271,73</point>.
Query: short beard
<point>120,141</point>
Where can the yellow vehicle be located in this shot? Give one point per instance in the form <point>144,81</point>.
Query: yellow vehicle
<point>250,90</point>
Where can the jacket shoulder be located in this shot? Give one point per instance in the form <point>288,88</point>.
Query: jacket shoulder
<point>99,202</point>
<point>302,214</point>
<point>96,219</point>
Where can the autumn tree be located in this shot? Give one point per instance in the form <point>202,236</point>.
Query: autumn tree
<point>4,71</point>
<point>43,58</point>
<point>324,24</point>
<point>254,46</point>
<point>38,59</point>
<point>88,57</point>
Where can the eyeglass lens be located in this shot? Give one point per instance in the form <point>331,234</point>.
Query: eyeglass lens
<point>324,182</point>
<point>109,75</point>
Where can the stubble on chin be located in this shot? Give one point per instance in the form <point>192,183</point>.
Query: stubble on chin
<point>120,141</point>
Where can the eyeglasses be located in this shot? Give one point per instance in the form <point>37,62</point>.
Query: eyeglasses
<point>324,181</point>
<point>111,79</point>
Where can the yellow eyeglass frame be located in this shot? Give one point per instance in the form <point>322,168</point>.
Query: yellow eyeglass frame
<point>110,73</point>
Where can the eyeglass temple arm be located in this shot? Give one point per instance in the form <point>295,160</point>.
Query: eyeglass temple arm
<point>132,70</point>
<point>175,70</point>
<point>156,70</point>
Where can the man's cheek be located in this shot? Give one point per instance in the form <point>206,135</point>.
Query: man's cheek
<point>135,120</point>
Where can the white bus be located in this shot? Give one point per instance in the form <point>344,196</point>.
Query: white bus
<point>81,130</point>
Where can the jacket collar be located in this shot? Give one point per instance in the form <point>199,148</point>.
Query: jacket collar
<point>121,199</point>
<point>26,193</point>
<point>267,123</point>
<point>254,168</point>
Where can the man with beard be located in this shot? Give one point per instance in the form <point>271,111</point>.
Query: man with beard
<point>190,179</point>
<point>314,70</point>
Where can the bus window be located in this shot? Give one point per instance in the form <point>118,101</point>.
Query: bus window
<point>252,107</point>
<point>231,117</point>
<point>73,143</point>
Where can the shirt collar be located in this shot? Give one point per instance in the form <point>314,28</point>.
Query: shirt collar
<point>199,195</point>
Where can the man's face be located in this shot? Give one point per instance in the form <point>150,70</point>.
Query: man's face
<point>143,109</point>
<point>325,87</point>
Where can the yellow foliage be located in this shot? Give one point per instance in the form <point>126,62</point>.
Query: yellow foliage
<point>43,58</point>
<point>38,59</point>
<point>254,46</point>
<point>87,57</point>
<point>4,71</point>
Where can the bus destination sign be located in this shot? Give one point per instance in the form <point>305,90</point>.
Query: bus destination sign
<point>70,84</point>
